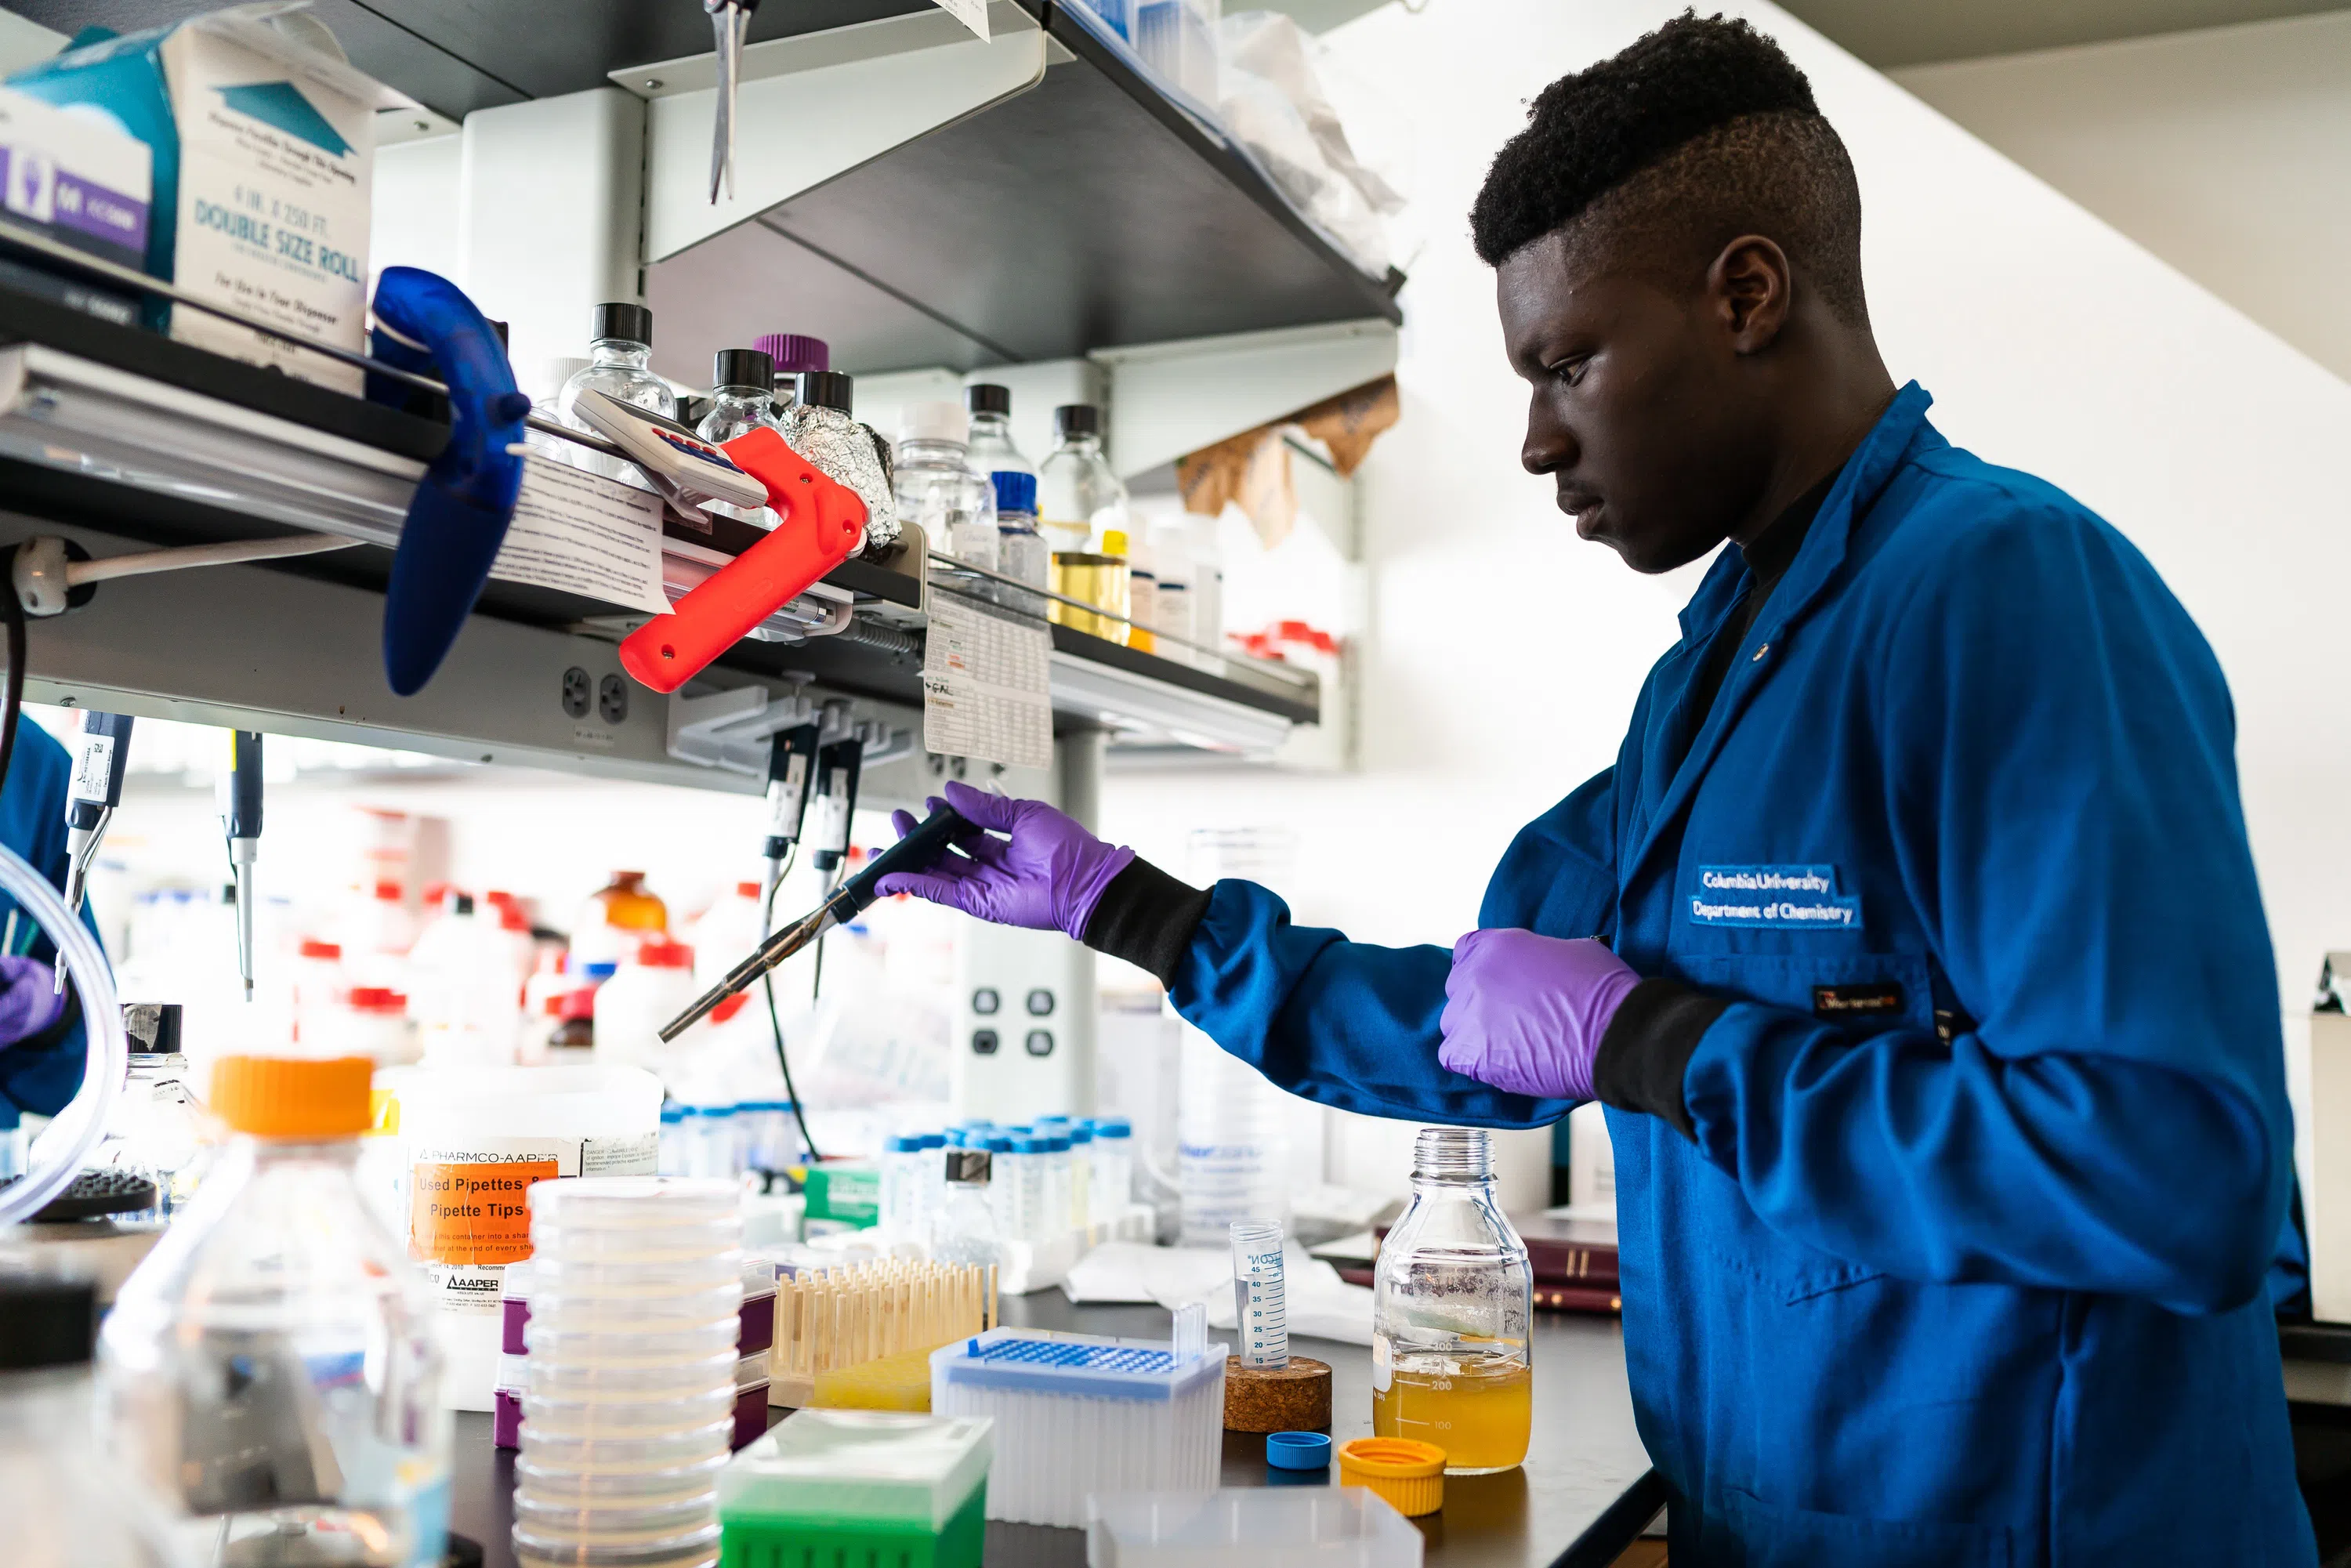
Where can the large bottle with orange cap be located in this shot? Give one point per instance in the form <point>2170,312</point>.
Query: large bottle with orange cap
<point>269,1373</point>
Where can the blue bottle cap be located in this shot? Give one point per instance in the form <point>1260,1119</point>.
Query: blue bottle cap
<point>932,1141</point>
<point>1080,1137</point>
<point>904,1145</point>
<point>1031,1146</point>
<point>1014,492</point>
<point>1113,1127</point>
<point>998,1145</point>
<point>1297,1450</point>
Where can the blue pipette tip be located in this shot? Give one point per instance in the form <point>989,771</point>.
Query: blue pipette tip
<point>1297,1450</point>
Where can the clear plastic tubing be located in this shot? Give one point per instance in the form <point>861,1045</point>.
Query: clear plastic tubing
<point>57,1156</point>
<point>1260,1313</point>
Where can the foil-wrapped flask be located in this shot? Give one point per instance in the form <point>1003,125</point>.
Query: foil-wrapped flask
<point>819,428</point>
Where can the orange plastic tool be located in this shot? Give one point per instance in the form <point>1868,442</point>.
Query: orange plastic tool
<point>821,522</point>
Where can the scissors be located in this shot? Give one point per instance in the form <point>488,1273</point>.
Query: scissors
<point>730,23</point>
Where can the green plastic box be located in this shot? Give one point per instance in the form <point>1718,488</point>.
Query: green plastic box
<point>858,1488</point>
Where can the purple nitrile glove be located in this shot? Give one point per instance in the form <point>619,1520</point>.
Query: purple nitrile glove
<point>1525,1012</point>
<point>1046,874</point>
<point>27,1003</point>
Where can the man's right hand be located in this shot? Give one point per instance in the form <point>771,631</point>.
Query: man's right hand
<point>1046,872</point>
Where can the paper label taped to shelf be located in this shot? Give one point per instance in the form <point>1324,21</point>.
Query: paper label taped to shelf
<point>585,534</point>
<point>987,685</point>
<point>972,13</point>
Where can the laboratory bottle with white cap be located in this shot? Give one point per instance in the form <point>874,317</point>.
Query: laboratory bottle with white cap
<point>939,488</point>
<point>268,1376</point>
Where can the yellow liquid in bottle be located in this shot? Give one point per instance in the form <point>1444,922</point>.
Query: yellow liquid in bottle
<point>1478,1410</point>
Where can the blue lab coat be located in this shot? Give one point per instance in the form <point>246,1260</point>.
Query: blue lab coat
<point>40,1079</point>
<point>1992,1298</point>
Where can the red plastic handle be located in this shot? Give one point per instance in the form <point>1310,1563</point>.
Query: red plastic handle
<point>821,520</point>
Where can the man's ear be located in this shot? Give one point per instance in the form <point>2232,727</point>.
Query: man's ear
<point>1751,286</point>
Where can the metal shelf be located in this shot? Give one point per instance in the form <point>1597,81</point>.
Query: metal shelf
<point>1090,212</point>
<point>109,428</point>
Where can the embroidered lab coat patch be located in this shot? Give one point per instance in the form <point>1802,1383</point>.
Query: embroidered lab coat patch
<point>1774,897</point>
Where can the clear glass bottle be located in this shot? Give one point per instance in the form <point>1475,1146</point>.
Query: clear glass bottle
<point>965,1229</point>
<point>939,488</point>
<point>269,1373</point>
<point>620,365</point>
<point>155,1129</point>
<point>1019,549</point>
<point>1077,497</point>
<point>741,401</point>
<point>742,392</point>
<point>992,452</point>
<point>1452,1305</point>
<point>65,1505</point>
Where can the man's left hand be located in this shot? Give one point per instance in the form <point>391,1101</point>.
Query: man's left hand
<point>1526,1013</point>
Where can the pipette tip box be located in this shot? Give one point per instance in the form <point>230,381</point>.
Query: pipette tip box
<point>1250,1526</point>
<point>858,1486</point>
<point>1078,1413</point>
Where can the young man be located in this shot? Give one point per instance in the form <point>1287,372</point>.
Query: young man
<point>1930,998</point>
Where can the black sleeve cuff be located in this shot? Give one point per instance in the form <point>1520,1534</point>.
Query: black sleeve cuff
<point>1147,918</point>
<point>1647,1048</point>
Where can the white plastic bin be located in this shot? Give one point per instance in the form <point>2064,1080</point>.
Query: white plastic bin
<point>473,1142</point>
<point>1259,1527</point>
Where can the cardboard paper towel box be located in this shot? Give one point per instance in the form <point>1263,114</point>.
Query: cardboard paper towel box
<point>264,153</point>
<point>75,177</point>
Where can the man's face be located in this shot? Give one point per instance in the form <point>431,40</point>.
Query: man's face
<point>1639,410</point>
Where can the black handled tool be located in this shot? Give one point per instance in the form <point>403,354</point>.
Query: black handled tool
<point>917,849</point>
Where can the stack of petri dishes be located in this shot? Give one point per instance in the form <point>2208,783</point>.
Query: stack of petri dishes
<point>629,1394</point>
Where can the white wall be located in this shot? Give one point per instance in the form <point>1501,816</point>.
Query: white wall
<point>1505,654</point>
<point>2227,151</point>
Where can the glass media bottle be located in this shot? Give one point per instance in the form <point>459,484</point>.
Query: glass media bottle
<point>1452,1303</point>
<point>620,343</point>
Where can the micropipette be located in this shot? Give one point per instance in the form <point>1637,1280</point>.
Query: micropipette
<point>238,793</point>
<point>791,757</point>
<point>101,754</point>
<point>838,766</point>
<point>928,841</point>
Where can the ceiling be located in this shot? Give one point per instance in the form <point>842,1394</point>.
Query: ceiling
<point>457,56</point>
<point>1891,33</point>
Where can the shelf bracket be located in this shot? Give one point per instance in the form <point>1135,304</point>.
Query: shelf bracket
<point>813,106</point>
<point>731,729</point>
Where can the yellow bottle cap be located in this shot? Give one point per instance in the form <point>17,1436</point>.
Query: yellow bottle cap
<point>1410,1475</point>
<point>292,1097</point>
<point>1115,542</point>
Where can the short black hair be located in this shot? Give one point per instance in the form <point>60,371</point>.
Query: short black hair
<point>1694,134</point>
